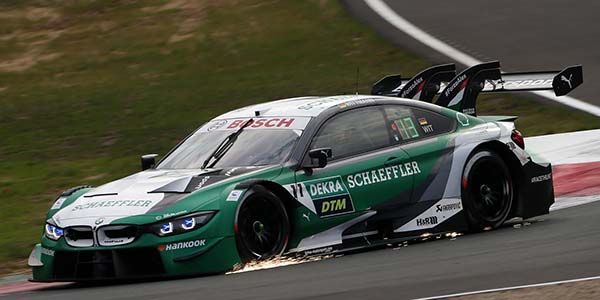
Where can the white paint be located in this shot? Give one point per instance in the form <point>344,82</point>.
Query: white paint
<point>292,107</point>
<point>566,202</point>
<point>510,288</point>
<point>257,123</point>
<point>440,212</point>
<point>566,148</point>
<point>58,203</point>
<point>302,195</point>
<point>388,14</point>
<point>331,236</point>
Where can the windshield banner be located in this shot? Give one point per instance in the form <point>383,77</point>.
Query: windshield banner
<point>295,123</point>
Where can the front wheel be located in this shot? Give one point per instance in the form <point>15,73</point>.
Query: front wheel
<point>487,190</point>
<point>262,226</point>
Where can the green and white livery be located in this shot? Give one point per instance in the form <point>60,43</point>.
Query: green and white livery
<point>303,176</point>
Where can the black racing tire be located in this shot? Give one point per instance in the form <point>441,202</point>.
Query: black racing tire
<point>487,190</point>
<point>262,226</point>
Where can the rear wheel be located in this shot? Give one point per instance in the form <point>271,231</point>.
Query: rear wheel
<point>262,226</point>
<point>487,190</point>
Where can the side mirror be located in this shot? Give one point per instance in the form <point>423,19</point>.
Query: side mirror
<point>148,161</point>
<point>319,157</point>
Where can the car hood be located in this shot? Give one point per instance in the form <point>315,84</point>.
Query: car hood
<point>141,193</point>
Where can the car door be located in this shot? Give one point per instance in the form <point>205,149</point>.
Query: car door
<point>424,136</point>
<point>367,168</point>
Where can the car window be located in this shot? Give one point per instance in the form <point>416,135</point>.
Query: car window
<point>353,132</point>
<point>408,123</point>
<point>252,148</point>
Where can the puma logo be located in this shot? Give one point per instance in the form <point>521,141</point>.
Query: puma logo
<point>307,217</point>
<point>568,81</point>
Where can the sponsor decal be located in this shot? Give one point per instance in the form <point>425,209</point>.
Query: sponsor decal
<point>458,81</point>
<point>182,245</point>
<point>383,174</point>
<point>47,251</point>
<point>113,241</point>
<point>333,206</point>
<point>263,123</point>
<point>412,87</point>
<point>541,178</point>
<point>113,203</point>
<point>326,197</point>
<point>169,215</point>
<point>462,119</point>
<point>526,83</point>
<point>202,182</point>
<point>469,111</point>
<point>297,123</point>
<point>427,128</point>
<point>423,121</point>
<point>356,102</point>
<point>307,217</point>
<point>234,195</point>
<point>323,250</point>
<point>568,81</point>
<point>231,171</point>
<point>317,103</point>
<point>427,221</point>
<point>216,125</point>
<point>448,207</point>
<point>58,203</point>
<point>441,211</point>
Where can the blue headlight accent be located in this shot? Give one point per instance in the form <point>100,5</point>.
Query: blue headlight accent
<point>166,228</point>
<point>182,224</point>
<point>188,223</point>
<point>53,232</point>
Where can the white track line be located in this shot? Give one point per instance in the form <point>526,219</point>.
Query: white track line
<point>510,288</point>
<point>566,202</point>
<point>388,14</point>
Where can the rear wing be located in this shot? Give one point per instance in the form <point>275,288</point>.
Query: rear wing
<point>461,92</point>
<point>423,86</point>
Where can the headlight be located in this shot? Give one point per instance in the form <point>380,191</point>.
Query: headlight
<point>54,232</point>
<point>182,224</point>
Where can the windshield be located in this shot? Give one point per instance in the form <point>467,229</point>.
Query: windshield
<point>255,146</point>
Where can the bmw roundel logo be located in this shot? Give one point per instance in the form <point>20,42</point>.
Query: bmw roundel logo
<point>216,125</point>
<point>99,221</point>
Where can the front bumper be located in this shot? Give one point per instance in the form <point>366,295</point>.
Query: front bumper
<point>175,258</point>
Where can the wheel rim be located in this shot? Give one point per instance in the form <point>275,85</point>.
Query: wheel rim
<point>261,228</point>
<point>490,189</point>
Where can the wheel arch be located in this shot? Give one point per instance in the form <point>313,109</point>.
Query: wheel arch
<point>288,200</point>
<point>514,167</point>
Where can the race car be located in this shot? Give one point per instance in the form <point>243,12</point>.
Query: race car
<point>309,176</point>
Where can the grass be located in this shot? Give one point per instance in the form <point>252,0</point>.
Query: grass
<point>87,86</point>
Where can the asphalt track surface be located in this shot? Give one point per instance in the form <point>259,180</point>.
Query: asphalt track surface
<point>523,35</point>
<point>562,245</point>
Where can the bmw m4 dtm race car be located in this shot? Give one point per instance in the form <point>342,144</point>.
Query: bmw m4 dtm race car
<point>309,175</point>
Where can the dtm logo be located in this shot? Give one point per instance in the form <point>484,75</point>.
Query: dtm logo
<point>334,205</point>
